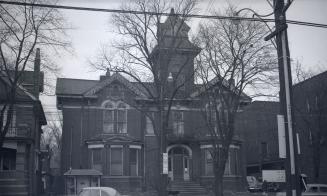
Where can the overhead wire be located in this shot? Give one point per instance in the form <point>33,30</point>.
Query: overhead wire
<point>162,13</point>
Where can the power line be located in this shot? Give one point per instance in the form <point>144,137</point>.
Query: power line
<point>236,18</point>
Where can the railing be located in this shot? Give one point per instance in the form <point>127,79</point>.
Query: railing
<point>12,132</point>
<point>18,132</point>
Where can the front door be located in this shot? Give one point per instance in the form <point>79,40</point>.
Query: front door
<point>178,167</point>
<point>179,164</point>
<point>186,171</point>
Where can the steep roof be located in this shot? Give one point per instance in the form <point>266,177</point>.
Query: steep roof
<point>23,94</point>
<point>202,88</point>
<point>69,86</point>
<point>115,77</point>
<point>80,87</point>
<point>322,77</point>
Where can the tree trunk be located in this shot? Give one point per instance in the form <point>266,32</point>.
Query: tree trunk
<point>218,183</point>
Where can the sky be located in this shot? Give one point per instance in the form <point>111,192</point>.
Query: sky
<point>93,29</point>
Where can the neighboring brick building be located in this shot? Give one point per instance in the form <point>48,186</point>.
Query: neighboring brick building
<point>258,122</point>
<point>310,109</point>
<point>258,125</point>
<point>104,130</point>
<point>20,169</point>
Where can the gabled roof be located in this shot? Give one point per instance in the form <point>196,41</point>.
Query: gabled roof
<point>23,91</point>
<point>115,77</point>
<point>68,86</point>
<point>20,88</point>
<point>319,78</point>
<point>202,88</point>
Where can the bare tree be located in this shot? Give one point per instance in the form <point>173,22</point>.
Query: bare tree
<point>22,29</point>
<point>52,137</point>
<point>234,58</point>
<point>146,52</point>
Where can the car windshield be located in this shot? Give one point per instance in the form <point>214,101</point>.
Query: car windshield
<point>313,189</point>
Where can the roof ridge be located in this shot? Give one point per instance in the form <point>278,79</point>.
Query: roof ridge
<point>78,79</point>
<point>308,79</point>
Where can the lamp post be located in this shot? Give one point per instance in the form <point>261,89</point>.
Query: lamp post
<point>292,176</point>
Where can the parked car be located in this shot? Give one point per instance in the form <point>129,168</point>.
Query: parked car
<point>253,184</point>
<point>311,190</point>
<point>99,191</point>
<point>315,190</point>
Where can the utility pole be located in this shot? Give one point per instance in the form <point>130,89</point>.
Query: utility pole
<point>285,79</point>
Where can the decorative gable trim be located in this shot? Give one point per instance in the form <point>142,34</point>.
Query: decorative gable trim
<point>114,77</point>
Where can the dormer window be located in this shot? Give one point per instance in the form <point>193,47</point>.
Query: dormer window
<point>115,117</point>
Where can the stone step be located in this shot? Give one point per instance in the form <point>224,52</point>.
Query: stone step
<point>188,188</point>
<point>13,181</point>
<point>5,189</point>
<point>178,186</point>
<point>14,194</point>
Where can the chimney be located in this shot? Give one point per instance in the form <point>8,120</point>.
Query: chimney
<point>104,77</point>
<point>108,73</point>
<point>36,74</point>
<point>172,11</point>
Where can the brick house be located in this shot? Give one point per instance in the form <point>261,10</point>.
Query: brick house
<point>258,122</point>
<point>310,109</point>
<point>103,129</point>
<point>20,169</point>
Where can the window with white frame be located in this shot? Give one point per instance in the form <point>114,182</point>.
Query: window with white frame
<point>12,126</point>
<point>115,117</point>
<point>133,161</point>
<point>178,122</point>
<point>121,118</point>
<point>108,118</point>
<point>97,159</point>
<point>227,171</point>
<point>231,165</point>
<point>208,163</point>
<point>116,160</point>
<point>211,119</point>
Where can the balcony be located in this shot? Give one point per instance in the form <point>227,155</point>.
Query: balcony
<point>21,131</point>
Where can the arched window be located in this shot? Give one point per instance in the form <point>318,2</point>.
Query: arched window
<point>121,118</point>
<point>108,118</point>
<point>114,117</point>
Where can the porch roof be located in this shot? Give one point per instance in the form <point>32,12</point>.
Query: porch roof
<point>83,172</point>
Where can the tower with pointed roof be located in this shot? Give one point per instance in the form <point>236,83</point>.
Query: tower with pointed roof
<point>174,54</point>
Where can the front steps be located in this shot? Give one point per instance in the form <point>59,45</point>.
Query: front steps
<point>187,188</point>
<point>13,183</point>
